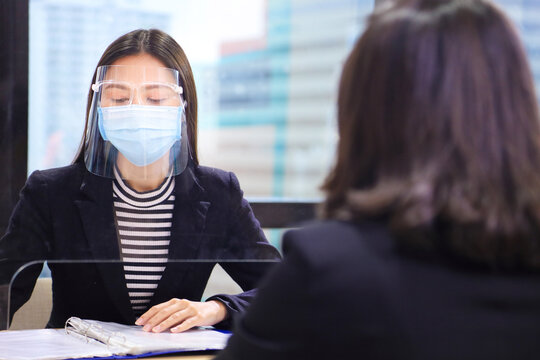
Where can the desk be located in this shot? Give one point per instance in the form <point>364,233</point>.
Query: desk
<point>182,357</point>
<point>44,341</point>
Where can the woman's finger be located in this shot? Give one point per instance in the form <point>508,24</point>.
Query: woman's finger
<point>151,312</point>
<point>175,319</point>
<point>159,313</point>
<point>180,315</point>
<point>187,324</point>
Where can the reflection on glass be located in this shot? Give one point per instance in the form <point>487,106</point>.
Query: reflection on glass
<point>96,288</point>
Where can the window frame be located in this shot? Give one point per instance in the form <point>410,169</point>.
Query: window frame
<point>14,19</point>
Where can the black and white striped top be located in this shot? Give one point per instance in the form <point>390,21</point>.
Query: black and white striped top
<point>143,221</point>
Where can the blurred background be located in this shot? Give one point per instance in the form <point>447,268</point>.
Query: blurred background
<point>266,73</point>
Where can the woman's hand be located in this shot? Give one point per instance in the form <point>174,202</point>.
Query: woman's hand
<point>181,315</point>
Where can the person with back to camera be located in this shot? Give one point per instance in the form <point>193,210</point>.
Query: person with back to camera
<point>429,246</point>
<point>136,192</point>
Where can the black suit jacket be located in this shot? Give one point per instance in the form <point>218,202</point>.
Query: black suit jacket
<point>66,215</point>
<point>345,292</point>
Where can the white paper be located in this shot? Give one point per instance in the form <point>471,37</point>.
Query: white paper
<point>54,344</point>
<point>46,344</point>
<point>138,341</point>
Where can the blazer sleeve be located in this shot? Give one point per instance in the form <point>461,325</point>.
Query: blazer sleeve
<point>26,240</point>
<point>245,241</point>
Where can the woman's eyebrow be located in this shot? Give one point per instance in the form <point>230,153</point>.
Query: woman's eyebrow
<point>154,85</point>
<point>116,86</point>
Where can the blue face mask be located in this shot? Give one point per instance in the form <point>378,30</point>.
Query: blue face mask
<point>142,133</point>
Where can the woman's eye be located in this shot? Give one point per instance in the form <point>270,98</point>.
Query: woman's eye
<point>116,96</point>
<point>121,100</point>
<point>155,100</point>
<point>157,95</point>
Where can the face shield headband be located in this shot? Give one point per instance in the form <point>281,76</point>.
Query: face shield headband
<point>136,123</point>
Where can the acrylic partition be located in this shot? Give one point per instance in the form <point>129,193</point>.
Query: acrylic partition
<point>109,289</point>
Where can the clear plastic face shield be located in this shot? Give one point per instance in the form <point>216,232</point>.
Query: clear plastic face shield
<point>136,123</point>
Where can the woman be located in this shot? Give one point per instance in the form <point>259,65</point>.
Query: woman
<point>136,193</point>
<point>429,247</point>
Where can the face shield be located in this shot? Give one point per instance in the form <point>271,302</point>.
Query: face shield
<point>136,123</point>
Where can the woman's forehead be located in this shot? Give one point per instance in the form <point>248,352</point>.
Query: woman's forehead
<point>142,59</point>
<point>141,75</point>
<point>139,68</point>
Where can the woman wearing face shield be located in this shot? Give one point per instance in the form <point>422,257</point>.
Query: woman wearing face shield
<point>136,193</point>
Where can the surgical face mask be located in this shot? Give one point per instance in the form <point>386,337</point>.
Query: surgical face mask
<point>142,133</point>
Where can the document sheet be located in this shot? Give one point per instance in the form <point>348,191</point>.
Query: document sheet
<point>89,338</point>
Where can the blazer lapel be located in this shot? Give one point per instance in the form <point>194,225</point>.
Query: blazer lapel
<point>97,216</point>
<point>188,224</point>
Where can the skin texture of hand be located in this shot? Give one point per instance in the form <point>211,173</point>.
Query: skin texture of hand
<point>180,315</point>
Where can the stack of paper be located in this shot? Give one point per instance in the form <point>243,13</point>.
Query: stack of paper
<point>90,338</point>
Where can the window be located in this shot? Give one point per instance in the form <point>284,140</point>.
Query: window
<point>526,17</point>
<point>266,74</point>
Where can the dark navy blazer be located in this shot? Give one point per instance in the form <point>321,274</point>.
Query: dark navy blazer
<point>67,214</point>
<point>344,291</point>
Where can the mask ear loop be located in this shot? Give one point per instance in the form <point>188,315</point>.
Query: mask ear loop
<point>180,90</point>
<point>180,122</point>
<point>96,89</point>
<point>188,145</point>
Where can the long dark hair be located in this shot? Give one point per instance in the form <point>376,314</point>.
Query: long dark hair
<point>163,47</point>
<point>439,133</point>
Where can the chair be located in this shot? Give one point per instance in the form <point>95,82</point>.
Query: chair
<point>35,313</point>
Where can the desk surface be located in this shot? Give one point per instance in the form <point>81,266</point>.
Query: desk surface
<point>183,357</point>
<point>199,355</point>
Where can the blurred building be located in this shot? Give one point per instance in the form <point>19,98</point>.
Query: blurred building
<point>526,16</point>
<point>266,104</point>
<point>276,113</point>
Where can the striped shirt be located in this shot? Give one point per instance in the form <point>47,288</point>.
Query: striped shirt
<point>143,221</point>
